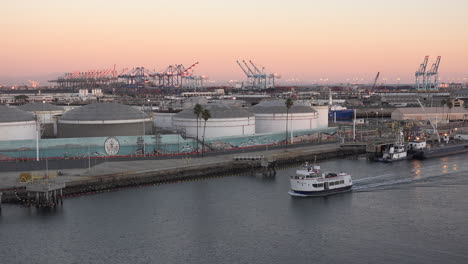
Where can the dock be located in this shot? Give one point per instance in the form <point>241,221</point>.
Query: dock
<point>48,194</point>
<point>267,165</point>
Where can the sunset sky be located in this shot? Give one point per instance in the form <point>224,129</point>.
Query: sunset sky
<point>306,40</point>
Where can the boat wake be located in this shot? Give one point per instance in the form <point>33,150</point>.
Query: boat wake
<point>413,175</point>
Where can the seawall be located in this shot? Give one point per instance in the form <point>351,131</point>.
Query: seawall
<point>189,172</point>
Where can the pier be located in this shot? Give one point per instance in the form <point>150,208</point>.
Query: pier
<point>267,165</point>
<point>44,194</point>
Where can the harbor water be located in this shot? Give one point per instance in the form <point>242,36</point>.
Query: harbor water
<point>402,212</point>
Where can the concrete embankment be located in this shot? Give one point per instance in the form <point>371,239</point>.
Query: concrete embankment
<point>200,168</point>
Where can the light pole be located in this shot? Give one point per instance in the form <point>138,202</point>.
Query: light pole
<point>144,126</point>
<point>37,138</point>
<point>381,111</point>
<point>377,115</point>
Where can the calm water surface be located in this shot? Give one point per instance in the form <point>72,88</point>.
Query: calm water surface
<point>406,212</point>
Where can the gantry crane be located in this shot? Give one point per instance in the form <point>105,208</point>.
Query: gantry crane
<point>432,76</point>
<point>256,78</point>
<point>249,76</point>
<point>261,77</point>
<point>421,74</point>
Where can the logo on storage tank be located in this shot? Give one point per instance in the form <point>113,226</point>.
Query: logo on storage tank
<point>112,146</point>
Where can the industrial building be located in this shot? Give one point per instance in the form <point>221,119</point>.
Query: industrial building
<point>225,121</point>
<point>104,119</point>
<point>16,124</point>
<point>270,116</point>
<point>46,114</point>
<point>435,114</point>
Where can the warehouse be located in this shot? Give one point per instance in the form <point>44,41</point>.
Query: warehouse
<point>439,114</point>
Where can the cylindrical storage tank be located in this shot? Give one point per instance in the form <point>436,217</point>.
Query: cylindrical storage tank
<point>103,120</point>
<point>322,111</point>
<point>46,115</point>
<point>225,121</point>
<point>270,116</point>
<point>164,120</point>
<point>16,124</point>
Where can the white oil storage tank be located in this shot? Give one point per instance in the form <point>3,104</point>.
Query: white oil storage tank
<point>103,120</point>
<point>47,115</point>
<point>225,120</point>
<point>322,119</point>
<point>16,124</point>
<point>270,116</point>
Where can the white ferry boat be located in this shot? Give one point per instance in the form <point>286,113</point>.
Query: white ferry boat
<point>310,181</point>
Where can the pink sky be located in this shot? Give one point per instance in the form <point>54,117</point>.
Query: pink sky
<point>299,39</point>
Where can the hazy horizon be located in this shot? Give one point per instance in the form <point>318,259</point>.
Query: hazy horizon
<point>303,41</point>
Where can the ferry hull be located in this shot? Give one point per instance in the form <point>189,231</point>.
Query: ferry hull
<point>320,193</point>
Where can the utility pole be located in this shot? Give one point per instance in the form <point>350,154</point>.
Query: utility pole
<point>37,138</point>
<point>89,159</point>
<point>354,126</point>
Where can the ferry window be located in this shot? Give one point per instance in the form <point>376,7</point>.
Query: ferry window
<point>314,185</point>
<point>320,185</point>
<point>332,183</point>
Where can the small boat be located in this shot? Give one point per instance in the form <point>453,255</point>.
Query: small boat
<point>393,152</point>
<point>310,181</point>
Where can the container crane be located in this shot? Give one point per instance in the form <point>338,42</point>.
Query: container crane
<point>262,79</point>
<point>249,77</point>
<point>432,76</point>
<point>252,73</point>
<point>421,73</point>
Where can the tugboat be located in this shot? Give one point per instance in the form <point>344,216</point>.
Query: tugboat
<point>395,151</point>
<point>310,181</point>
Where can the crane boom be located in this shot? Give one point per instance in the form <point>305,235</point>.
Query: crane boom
<point>255,67</point>
<point>435,67</point>
<point>240,65</point>
<point>423,66</point>
<point>250,70</point>
<point>375,81</point>
<point>186,72</point>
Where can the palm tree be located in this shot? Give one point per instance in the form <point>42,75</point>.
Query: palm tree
<point>289,103</point>
<point>197,110</point>
<point>205,115</point>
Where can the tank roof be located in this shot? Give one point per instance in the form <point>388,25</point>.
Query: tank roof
<point>31,107</point>
<point>104,111</point>
<point>217,110</point>
<point>279,107</point>
<point>8,114</point>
